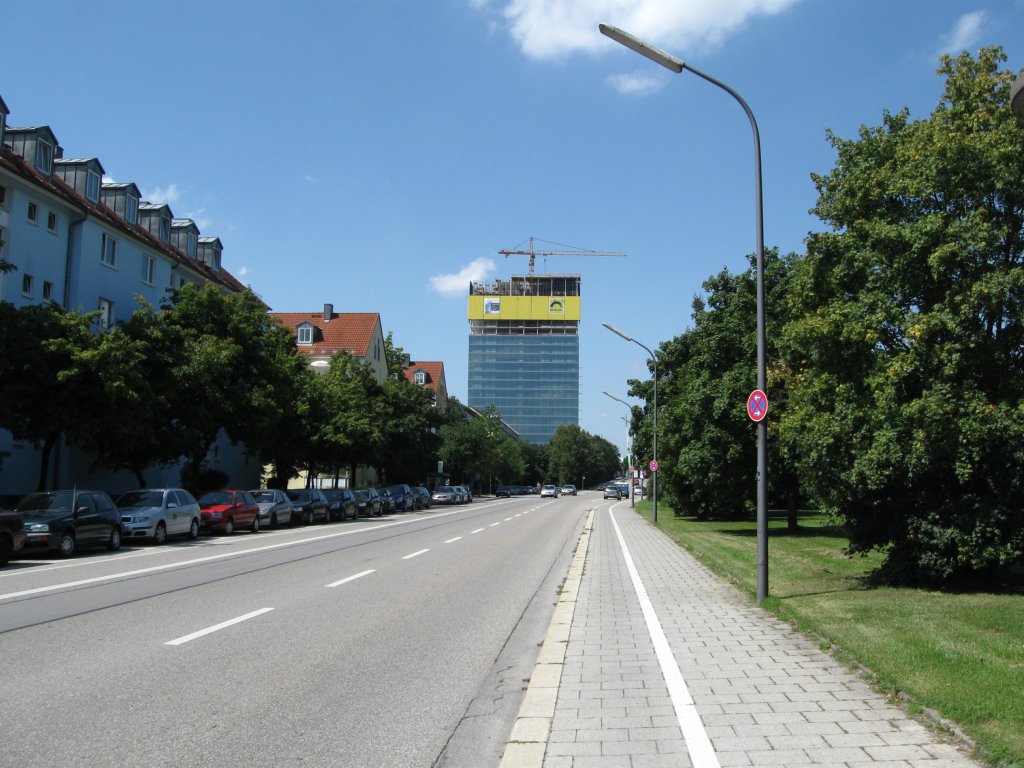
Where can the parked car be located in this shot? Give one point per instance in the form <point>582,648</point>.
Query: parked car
<point>467,494</point>
<point>12,534</point>
<point>387,501</point>
<point>422,497</point>
<point>368,502</point>
<point>623,490</point>
<point>156,513</point>
<point>341,504</point>
<point>568,490</point>
<point>310,504</point>
<point>504,490</point>
<point>402,496</point>
<point>445,494</point>
<point>275,507</point>
<point>549,492</point>
<point>611,491</point>
<point>229,511</point>
<point>66,521</point>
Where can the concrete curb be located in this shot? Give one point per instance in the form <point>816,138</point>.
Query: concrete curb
<point>528,742</point>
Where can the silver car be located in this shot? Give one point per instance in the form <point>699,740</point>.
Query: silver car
<point>275,507</point>
<point>156,513</point>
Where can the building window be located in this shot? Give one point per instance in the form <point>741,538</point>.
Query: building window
<point>108,255</point>
<point>106,318</point>
<point>51,221</point>
<point>420,377</point>
<point>305,334</point>
<point>26,285</point>
<point>33,213</point>
<point>131,209</point>
<point>47,290</point>
<point>92,186</point>
<point>44,156</point>
<point>165,230</point>
<point>147,269</point>
<point>3,197</point>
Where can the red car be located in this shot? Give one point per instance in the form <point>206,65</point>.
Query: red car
<point>229,511</point>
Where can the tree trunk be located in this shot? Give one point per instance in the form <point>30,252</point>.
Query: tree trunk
<point>44,461</point>
<point>792,523</point>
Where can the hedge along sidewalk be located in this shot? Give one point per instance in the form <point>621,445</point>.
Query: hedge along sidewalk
<point>529,738</point>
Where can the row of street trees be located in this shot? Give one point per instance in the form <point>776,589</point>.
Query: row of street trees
<point>896,357</point>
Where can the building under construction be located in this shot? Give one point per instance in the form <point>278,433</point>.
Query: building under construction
<point>524,351</point>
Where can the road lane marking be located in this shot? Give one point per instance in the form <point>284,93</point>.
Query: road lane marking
<point>207,559</point>
<point>457,538</point>
<point>415,554</point>
<point>698,744</point>
<point>478,530</point>
<point>350,578</point>
<point>216,627</point>
<point>507,519</point>
<point>494,524</point>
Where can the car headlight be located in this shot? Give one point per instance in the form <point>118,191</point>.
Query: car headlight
<point>39,528</point>
<point>142,519</point>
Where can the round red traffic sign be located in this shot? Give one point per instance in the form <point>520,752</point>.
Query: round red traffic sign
<point>757,405</point>
<point>654,466</point>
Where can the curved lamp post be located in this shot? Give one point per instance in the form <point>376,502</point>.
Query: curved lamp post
<point>629,432</point>
<point>670,62</point>
<point>654,447</point>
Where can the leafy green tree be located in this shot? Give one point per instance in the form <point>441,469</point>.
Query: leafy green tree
<point>905,358</point>
<point>575,454</point>
<point>477,447</point>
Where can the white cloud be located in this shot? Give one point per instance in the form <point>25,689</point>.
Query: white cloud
<point>108,179</point>
<point>636,84</point>
<point>201,221</point>
<point>169,194</point>
<point>242,272</point>
<point>458,284</point>
<point>310,179</point>
<point>553,28</point>
<point>965,33</point>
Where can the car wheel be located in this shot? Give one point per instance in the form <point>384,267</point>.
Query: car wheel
<point>229,527</point>
<point>114,542</point>
<point>6,550</point>
<point>255,527</point>
<point>160,536</point>
<point>67,544</point>
<point>273,520</point>
<point>309,517</point>
<point>193,530</point>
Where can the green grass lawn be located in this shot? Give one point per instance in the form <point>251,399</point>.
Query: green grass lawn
<point>960,653</point>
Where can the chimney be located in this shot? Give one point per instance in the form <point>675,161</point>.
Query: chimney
<point>328,312</point>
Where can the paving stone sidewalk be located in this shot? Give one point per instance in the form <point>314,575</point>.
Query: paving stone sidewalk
<point>765,695</point>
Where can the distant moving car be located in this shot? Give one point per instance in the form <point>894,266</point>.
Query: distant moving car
<point>445,494</point>
<point>310,504</point>
<point>368,502</point>
<point>12,535</point>
<point>568,490</point>
<point>65,521</point>
<point>612,492</point>
<point>623,490</point>
<point>156,513</point>
<point>549,491</point>
<point>275,507</point>
<point>229,511</point>
<point>341,504</point>
<point>504,490</point>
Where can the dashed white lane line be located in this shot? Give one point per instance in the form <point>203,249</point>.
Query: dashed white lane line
<point>457,538</point>
<point>416,554</point>
<point>350,578</point>
<point>217,627</point>
<point>702,754</point>
<point>494,524</point>
<point>507,519</point>
<point>478,530</point>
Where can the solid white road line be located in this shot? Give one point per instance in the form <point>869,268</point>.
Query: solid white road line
<point>702,754</point>
<point>215,627</point>
<point>350,578</point>
<point>415,554</point>
<point>457,538</point>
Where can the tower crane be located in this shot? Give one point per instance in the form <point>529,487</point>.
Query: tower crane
<point>532,253</point>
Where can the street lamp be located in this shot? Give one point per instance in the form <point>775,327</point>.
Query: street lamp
<point>670,62</point>
<point>654,447</point>
<point>629,451</point>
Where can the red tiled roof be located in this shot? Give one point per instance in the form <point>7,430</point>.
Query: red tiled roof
<point>433,370</point>
<point>347,331</point>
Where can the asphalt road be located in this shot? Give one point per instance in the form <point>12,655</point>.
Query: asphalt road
<point>396,642</point>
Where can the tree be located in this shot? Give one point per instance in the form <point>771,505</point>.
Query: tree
<point>575,454</point>
<point>905,357</point>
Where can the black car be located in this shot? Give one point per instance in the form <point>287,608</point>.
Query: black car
<point>65,521</point>
<point>504,490</point>
<point>12,534</point>
<point>341,504</point>
<point>310,505</point>
<point>387,501</point>
<point>403,497</point>
<point>368,502</point>
<point>422,497</point>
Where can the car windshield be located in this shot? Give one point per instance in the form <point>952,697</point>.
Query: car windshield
<point>396,488</point>
<point>362,494</point>
<point>263,495</point>
<point>213,498</point>
<point>301,494</point>
<point>59,501</point>
<point>141,499</point>
<point>445,489</point>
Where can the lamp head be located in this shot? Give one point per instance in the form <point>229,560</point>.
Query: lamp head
<point>617,332</point>
<point>667,60</point>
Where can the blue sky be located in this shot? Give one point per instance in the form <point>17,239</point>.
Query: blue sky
<point>376,154</point>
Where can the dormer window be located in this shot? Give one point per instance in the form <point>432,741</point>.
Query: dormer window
<point>304,334</point>
<point>131,209</point>
<point>44,156</point>
<point>165,230</point>
<point>92,186</point>
<point>420,377</point>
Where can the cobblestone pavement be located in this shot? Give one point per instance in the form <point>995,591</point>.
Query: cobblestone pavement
<point>670,666</point>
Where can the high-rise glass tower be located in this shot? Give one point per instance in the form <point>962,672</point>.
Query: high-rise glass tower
<point>524,351</point>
